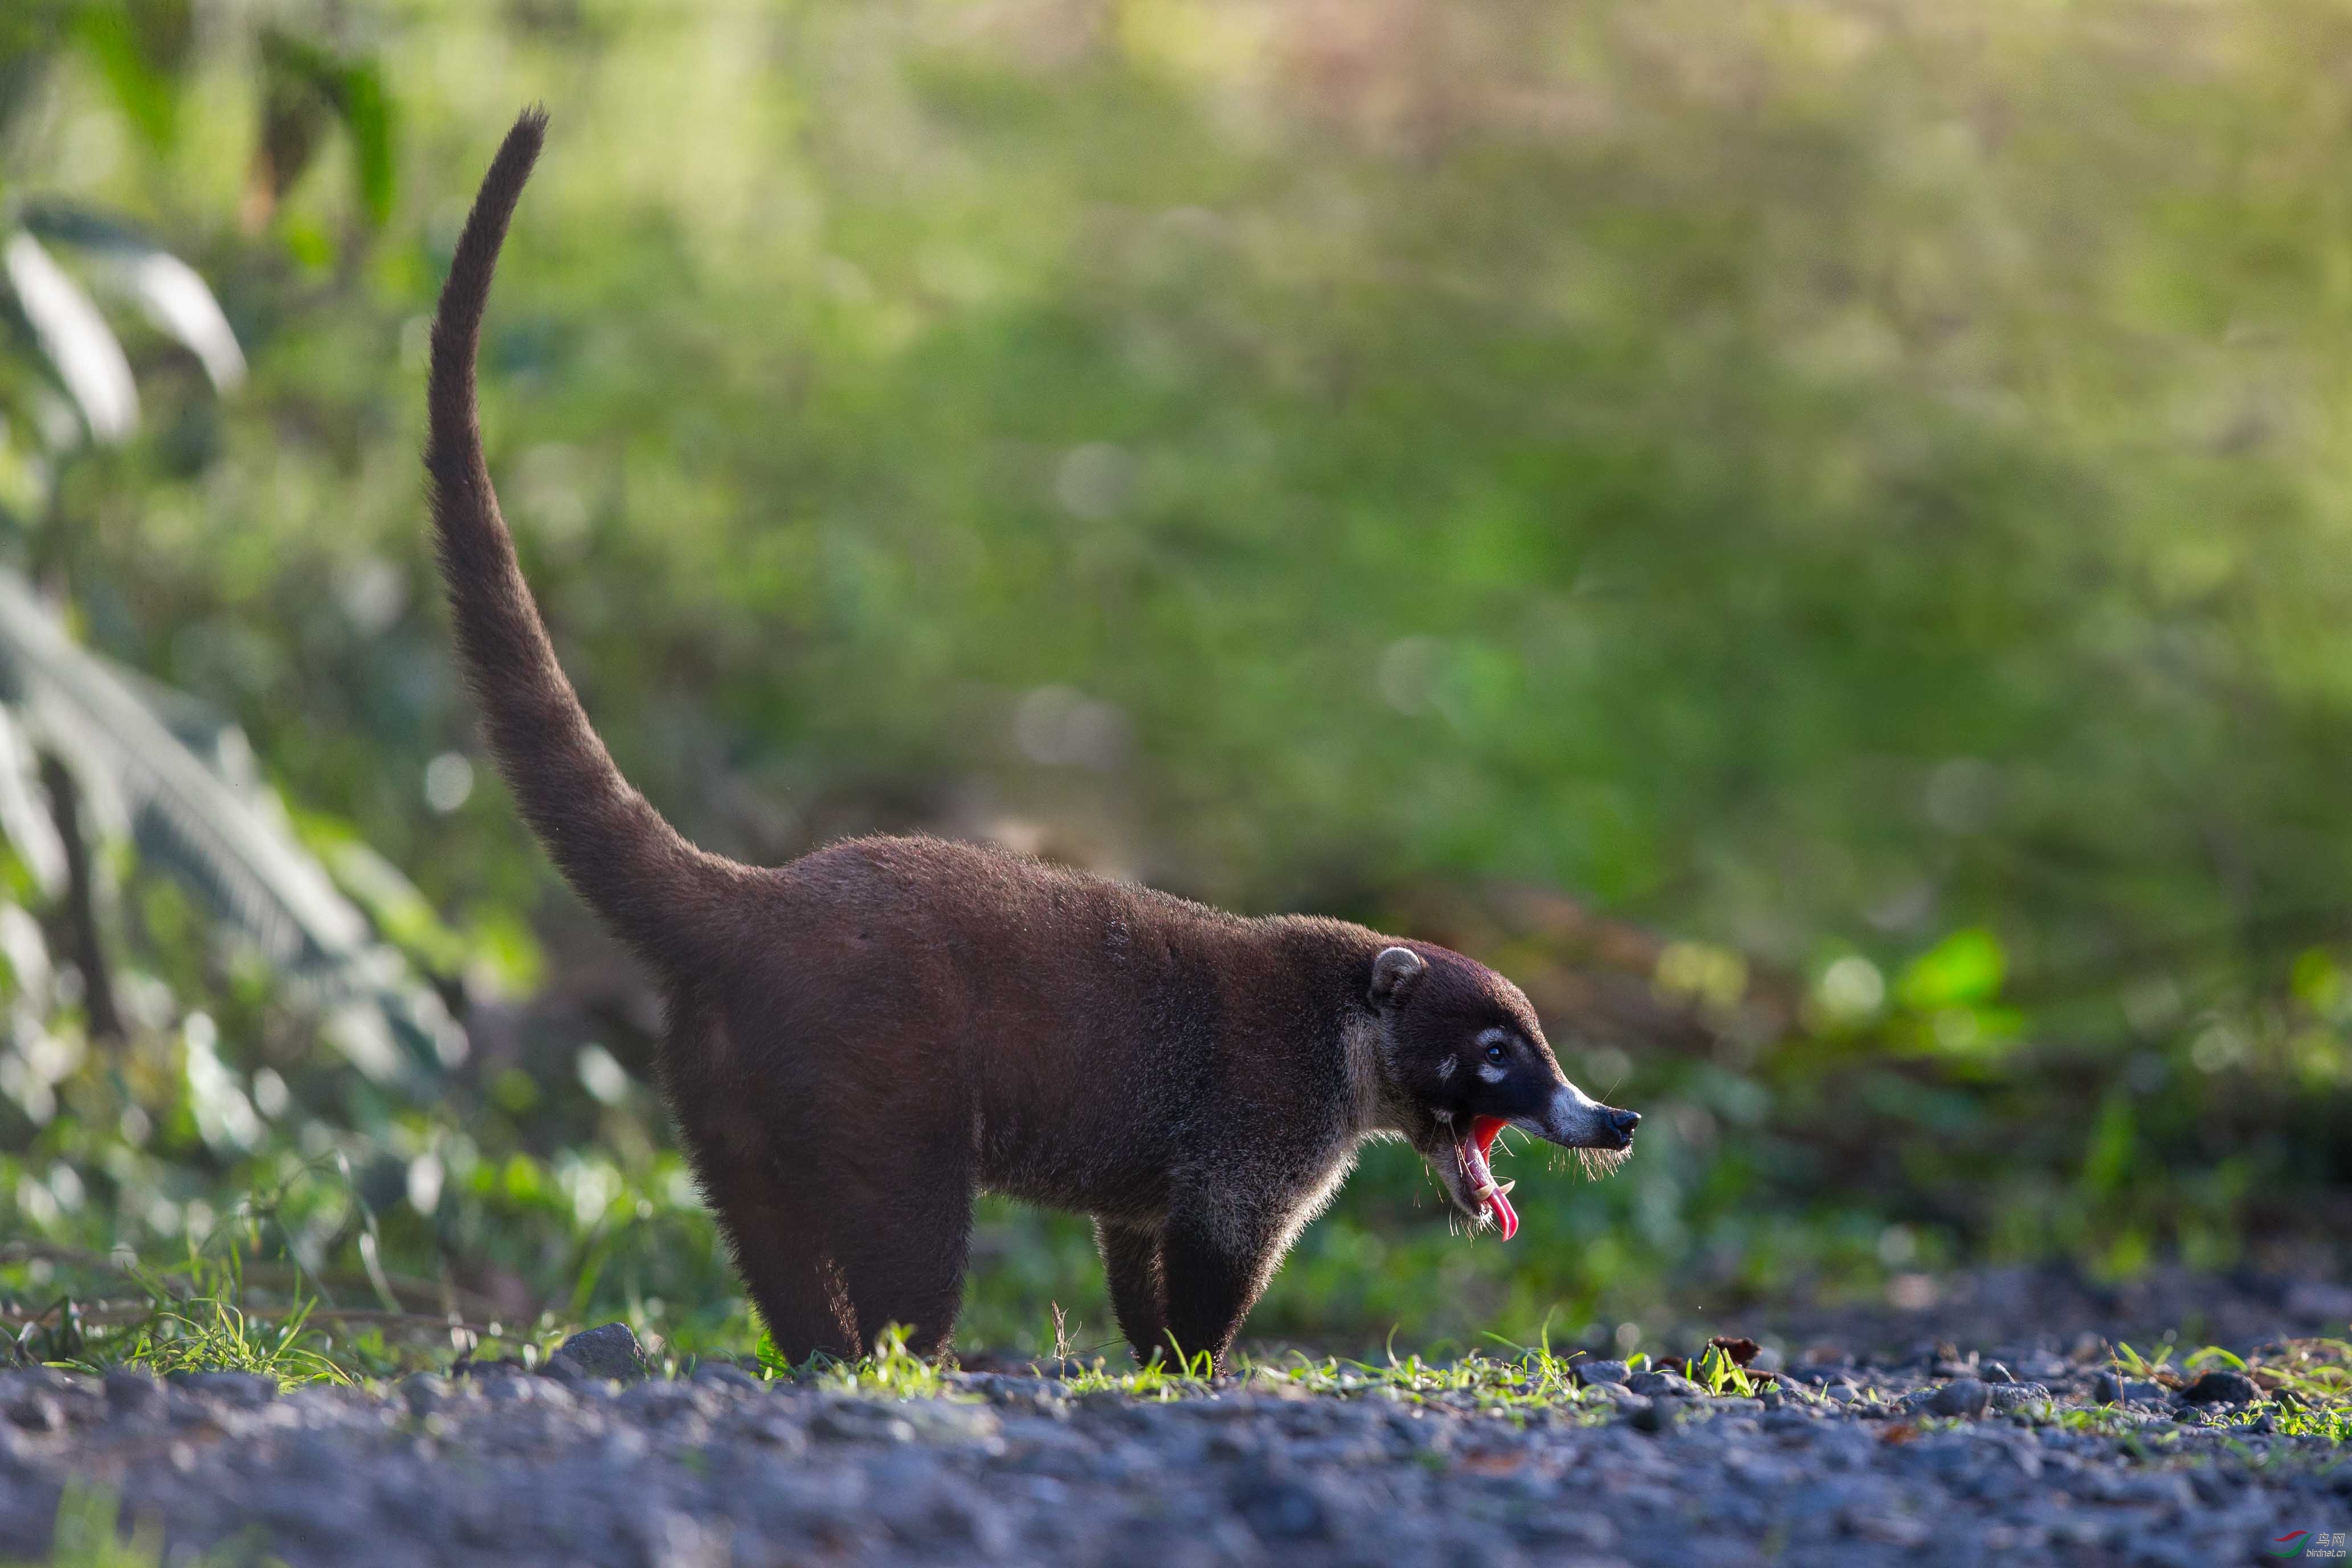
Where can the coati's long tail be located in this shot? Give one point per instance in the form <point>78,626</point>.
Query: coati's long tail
<point>659,893</point>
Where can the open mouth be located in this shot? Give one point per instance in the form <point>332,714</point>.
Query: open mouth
<point>1479,1191</point>
<point>1602,1143</point>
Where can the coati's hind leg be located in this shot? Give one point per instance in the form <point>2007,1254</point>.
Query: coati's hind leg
<point>901,1226</point>
<point>1130,1256</point>
<point>774,1226</point>
<point>751,1152</point>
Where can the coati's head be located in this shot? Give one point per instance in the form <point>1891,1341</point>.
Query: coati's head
<point>1462,1057</point>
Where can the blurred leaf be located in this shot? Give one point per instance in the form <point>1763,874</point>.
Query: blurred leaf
<point>367,117</point>
<point>232,848</point>
<point>141,48</point>
<point>305,86</point>
<point>169,292</point>
<point>2318,982</point>
<point>402,913</point>
<point>2107,1162</point>
<point>1965,969</point>
<point>177,301</point>
<point>24,818</point>
<point>81,348</point>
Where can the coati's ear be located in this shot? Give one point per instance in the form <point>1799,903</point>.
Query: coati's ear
<point>1393,974</point>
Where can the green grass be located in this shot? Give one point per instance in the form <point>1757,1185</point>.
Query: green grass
<point>89,1535</point>
<point>196,1317</point>
<point>222,1308</point>
<point>2299,1374</point>
<point>205,1330</point>
<point>1532,1379</point>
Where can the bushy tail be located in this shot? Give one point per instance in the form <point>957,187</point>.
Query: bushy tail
<point>662,896</point>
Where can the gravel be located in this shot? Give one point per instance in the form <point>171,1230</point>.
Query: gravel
<point>1924,1455</point>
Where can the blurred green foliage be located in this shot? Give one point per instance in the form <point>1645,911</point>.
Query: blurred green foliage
<point>1860,488</point>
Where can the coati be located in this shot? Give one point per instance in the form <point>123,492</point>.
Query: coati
<point>859,1041</point>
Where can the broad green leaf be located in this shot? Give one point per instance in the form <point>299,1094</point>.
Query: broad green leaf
<point>227,841</point>
<point>167,290</point>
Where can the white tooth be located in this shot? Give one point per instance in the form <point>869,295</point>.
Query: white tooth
<point>1506,1186</point>
<point>1488,1191</point>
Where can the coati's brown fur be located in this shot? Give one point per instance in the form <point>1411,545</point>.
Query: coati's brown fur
<point>859,1040</point>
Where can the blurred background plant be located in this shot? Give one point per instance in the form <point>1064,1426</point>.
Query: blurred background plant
<point>1815,538</point>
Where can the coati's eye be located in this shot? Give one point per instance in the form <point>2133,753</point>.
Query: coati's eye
<point>1495,1052</point>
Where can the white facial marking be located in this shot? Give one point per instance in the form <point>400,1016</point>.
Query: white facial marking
<point>1446,1068</point>
<point>1494,1074</point>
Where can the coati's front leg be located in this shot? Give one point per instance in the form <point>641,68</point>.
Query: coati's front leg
<point>1139,1297</point>
<point>1215,1263</point>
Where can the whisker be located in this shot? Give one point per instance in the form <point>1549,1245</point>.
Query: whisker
<point>1601,1162</point>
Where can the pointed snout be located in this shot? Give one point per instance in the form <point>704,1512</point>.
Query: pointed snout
<point>1576,1120</point>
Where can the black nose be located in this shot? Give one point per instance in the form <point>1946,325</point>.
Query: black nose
<point>1622,1123</point>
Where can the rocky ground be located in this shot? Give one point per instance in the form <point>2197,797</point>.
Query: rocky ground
<point>1929,1453</point>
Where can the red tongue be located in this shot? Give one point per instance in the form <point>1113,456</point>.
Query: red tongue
<point>1484,1132</point>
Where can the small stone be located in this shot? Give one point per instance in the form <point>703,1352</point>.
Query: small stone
<point>424,1394</point>
<point>303,1511</point>
<point>726,1375</point>
<point>133,1391</point>
<point>1658,1414</point>
<point>1277,1508</point>
<point>599,1354</point>
<point>1654,1382</point>
<point>1995,1372</point>
<point>245,1390</point>
<point>1233,1443</point>
<point>2221,1388</point>
<point>2006,1397</point>
<point>861,1421</point>
<point>1965,1397</point>
<point>37,1411</point>
<point>2107,1388</point>
<point>1025,1395</point>
<point>1589,1373</point>
<point>508,1388</point>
